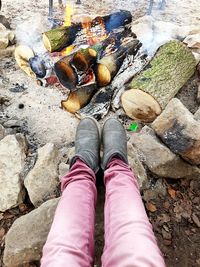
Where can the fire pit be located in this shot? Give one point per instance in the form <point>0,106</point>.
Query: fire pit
<point>94,59</point>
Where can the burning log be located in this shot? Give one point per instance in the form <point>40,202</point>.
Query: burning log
<point>59,38</point>
<point>82,95</point>
<point>84,58</point>
<point>159,82</point>
<point>101,101</point>
<point>108,66</point>
<point>99,104</point>
<point>66,74</point>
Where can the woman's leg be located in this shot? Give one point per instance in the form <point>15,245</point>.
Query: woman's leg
<point>129,239</point>
<point>71,239</point>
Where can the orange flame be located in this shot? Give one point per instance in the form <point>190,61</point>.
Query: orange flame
<point>95,33</point>
<point>67,23</point>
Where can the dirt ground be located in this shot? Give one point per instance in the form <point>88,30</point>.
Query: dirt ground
<point>174,216</point>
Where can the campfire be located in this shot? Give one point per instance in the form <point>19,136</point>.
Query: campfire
<point>94,61</point>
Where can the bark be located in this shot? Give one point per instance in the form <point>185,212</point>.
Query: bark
<point>61,37</point>
<point>163,77</point>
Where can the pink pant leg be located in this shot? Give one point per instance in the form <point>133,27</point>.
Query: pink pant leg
<point>129,239</point>
<point>71,239</point>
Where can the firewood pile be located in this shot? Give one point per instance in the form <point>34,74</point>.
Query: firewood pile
<point>102,65</point>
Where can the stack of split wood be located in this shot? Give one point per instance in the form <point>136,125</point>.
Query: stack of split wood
<point>86,70</point>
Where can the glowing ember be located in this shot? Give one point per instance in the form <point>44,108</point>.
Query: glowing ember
<point>94,34</point>
<point>68,22</point>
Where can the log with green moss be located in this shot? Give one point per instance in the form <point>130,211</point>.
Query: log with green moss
<point>159,82</point>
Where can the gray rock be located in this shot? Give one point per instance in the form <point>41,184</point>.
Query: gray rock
<point>198,94</point>
<point>42,180</point>
<point>63,169</point>
<point>12,158</point>
<point>159,159</point>
<point>137,167</point>
<point>179,130</point>
<point>27,236</point>
<point>2,132</point>
<point>12,123</point>
<point>197,115</point>
<point>159,190</point>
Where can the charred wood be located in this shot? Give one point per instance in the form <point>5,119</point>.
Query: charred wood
<point>61,37</point>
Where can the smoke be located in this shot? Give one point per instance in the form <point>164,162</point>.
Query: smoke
<point>29,33</point>
<point>153,33</point>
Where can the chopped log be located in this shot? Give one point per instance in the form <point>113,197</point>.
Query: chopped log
<point>133,100</point>
<point>22,55</point>
<point>84,58</point>
<point>162,78</point>
<point>130,68</point>
<point>179,130</point>
<point>59,38</point>
<point>79,98</point>
<point>108,66</point>
<point>65,73</point>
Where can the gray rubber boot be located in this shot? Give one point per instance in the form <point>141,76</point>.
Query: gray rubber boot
<point>87,144</point>
<point>114,142</point>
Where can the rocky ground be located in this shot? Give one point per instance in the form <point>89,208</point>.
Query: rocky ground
<point>37,141</point>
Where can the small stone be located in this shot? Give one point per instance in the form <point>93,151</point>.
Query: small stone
<point>42,181</point>
<point>2,132</point>
<point>137,167</point>
<point>198,94</point>
<point>12,123</point>
<point>63,169</point>
<point>21,106</point>
<point>35,225</point>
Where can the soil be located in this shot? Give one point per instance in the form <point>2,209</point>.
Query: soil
<point>175,216</point>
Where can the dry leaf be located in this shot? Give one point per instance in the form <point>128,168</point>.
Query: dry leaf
<point>172,193</point>
<point>151,207</point>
